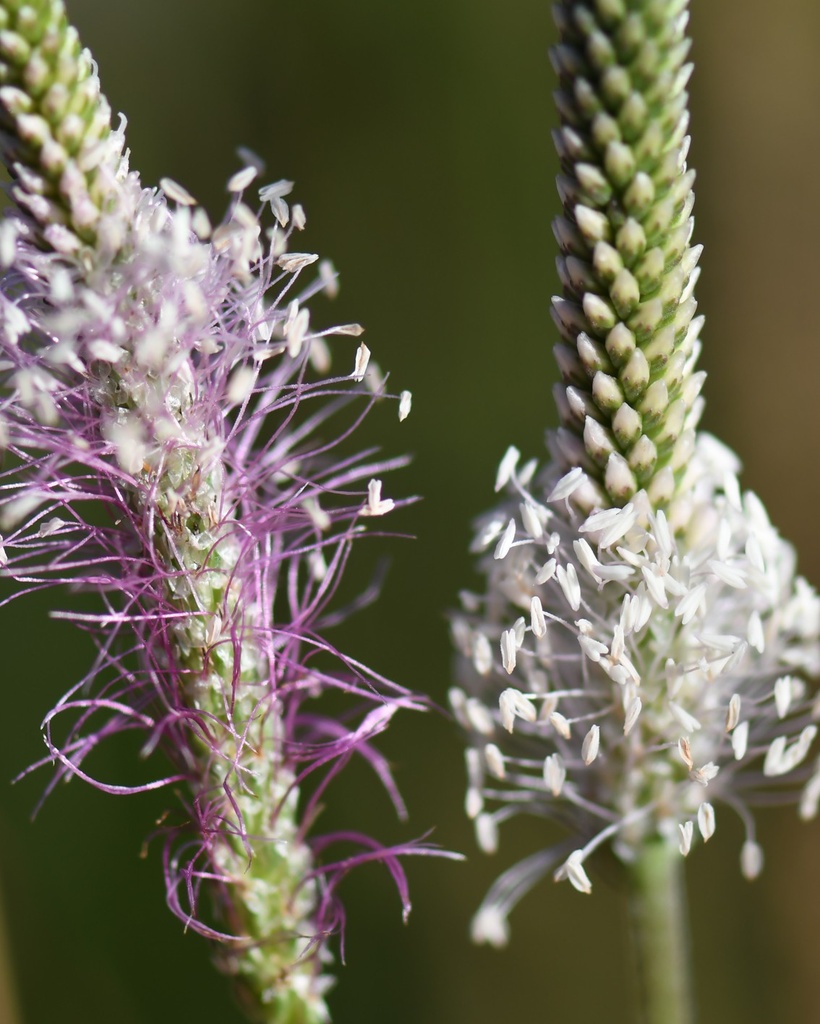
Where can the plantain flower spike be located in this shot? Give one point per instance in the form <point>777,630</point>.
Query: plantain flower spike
<point>643,657</point>
<point>170,431</point>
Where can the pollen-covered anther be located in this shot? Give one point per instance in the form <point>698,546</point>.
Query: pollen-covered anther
<point>537,619</point>
<point>561,724</point>
<point>495,761</point>
<point>592,648</point>
<point>362,359</point>
<point>740,740</point>
<point>733,712</point>
<point>704,775</point>
<point>554,774</point>
<point>573,869</point>
<point>591,744</point>
<point>706,821</point>
<point>506,467</point>
<point>474,802</point>
<point>486,830</point>
<point>751,859</point>
<point>490,925</point>
<point>509,649</point>
<point>376,505</point>
<point>632,714</point>
<point>514,704</point>
<point>506,541</point>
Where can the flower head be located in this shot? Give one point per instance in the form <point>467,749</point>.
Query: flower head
<point>643,652</point>
<point>176,448</point>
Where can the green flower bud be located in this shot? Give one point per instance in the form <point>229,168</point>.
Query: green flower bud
<point>607,262</point>
<point>635,375</point>
<point>598,441</point>
<point>620,344</point>
<point>630,240</point>
<point>607,392</point>
<point>593,183</point>
<point>625,293</point>
<point>600,314</point>
<point>594,226</point>
<point>649,270</point>
<point>632,117</point>
<point>619,162</point>
<point>619,479</point>
<point>604,130</point>
<point>593,355</point>
<point>626,426</point>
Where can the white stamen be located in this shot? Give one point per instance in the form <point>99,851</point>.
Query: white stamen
<point>508,651</point>
<point>486,832</point>
<point>292,262</point>
<point>560,724</point>
<point>506,467</point>
<point>482,654</point>
<point>554,774</point>
<point>240,384</point>
<point>568,484</point>
<point>575,873</point>
<point>362,359</point>
<point>754,633</point>
<point>473,803</point>
<point>733,712</point>
<point>173,190</point>
<point>683,718</point>
<point>751,859</point>
<point>740,740</point>
<point>706,821</point>
<point>495,761</point>
<point>783,695</point>
<point>478,717</point>
<point>632,715</point>
<point>591,744</point>
<point>240,181</point>
<point>546,572</point>
<point>531,521</point>
<point>568,582</point>
<point>537,620</point>
<point>506,542</point>
<point>376,505</point>
<point>704,775</point>
<point>490,926</point>
<point>514,704</point>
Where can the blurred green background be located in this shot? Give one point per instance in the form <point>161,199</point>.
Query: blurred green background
<point>418,134</point>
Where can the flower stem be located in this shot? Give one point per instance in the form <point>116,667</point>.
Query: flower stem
<point>659,932</point>
<point>9,1009</point>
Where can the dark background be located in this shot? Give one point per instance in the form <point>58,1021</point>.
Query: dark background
<point>418,134</point>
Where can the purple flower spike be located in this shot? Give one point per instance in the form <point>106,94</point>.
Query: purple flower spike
<point>174,434</point>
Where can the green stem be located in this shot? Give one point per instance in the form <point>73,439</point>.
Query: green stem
<point>9,1010</point>
<point>659,928</point>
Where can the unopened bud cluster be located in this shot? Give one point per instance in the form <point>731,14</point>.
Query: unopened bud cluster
<point>629,340</point>
<point>65,160</point>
